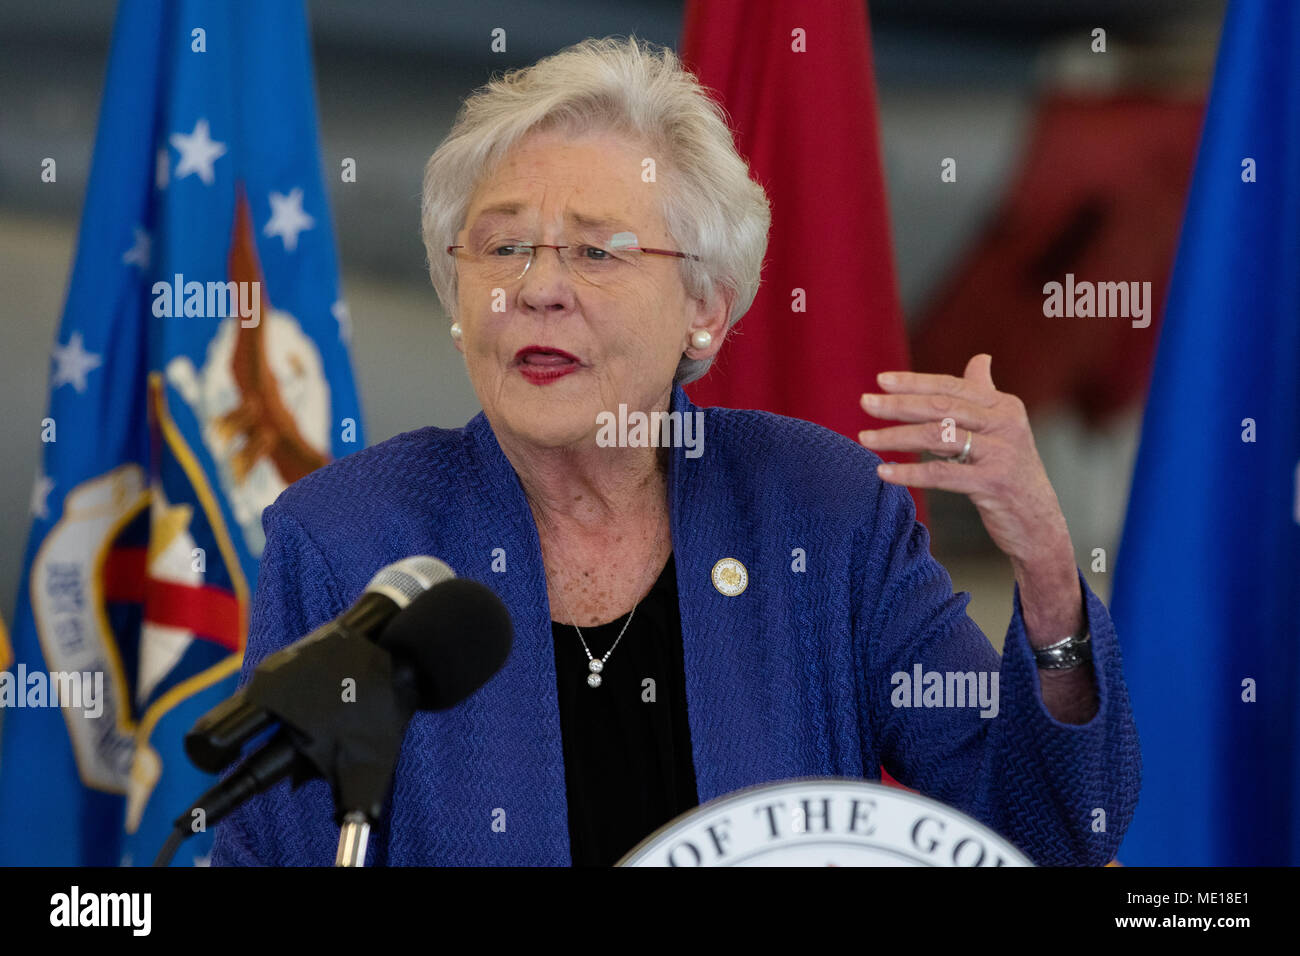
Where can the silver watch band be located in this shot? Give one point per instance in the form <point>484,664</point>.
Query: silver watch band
<point>1066,653</point>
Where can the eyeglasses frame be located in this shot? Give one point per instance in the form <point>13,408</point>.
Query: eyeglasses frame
<point>451,251</point>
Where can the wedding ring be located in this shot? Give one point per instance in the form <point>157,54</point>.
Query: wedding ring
<point>964,457</point>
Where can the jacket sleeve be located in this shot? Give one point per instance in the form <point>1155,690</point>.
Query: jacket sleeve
<point>1063,793</point>
<point>296,593</point>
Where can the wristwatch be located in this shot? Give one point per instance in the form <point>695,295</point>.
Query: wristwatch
<point>1066,653</point>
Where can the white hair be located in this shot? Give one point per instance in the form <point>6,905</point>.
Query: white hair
<point>711,206</point>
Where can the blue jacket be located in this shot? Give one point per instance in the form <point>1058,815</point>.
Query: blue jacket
<point>791,678</point>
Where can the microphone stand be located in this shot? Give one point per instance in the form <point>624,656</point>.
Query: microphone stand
<point>343,713</point>
<point>353,837</point>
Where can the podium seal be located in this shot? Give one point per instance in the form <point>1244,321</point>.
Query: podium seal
<point>824,821</point>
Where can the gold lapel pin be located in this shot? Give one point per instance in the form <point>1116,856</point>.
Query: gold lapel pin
<point>730,577</point>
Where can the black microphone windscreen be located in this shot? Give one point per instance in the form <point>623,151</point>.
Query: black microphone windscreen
<point>455,635</point>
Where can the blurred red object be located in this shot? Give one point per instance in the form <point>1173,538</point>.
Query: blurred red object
<point>1100,194</point>
<point>889,781</point>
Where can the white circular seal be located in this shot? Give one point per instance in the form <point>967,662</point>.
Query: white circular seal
<point>824,821</point>
<point>730,577</point>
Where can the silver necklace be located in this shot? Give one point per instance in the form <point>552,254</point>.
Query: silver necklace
<point>597,664</point>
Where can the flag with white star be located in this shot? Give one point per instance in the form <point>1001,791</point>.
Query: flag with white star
<point>200,367</point>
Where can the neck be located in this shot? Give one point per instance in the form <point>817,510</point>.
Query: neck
<point>585,489</point>
<point>586,492</point>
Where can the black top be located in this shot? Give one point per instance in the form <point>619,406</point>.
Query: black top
<point>627,746</point>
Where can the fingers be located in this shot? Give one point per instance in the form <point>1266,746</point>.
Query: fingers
<point>941,409</point>
<point>977,388</point>
<point>934,406</point>
<point>979,370</point>
<point>932,437</point>
<point>937,474</point>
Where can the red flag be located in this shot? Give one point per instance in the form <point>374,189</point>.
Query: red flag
<point>797,82</point>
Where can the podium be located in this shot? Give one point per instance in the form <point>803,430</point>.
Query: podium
<point>824,821</point>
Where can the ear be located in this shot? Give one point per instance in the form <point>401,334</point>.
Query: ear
<point>712,318</point>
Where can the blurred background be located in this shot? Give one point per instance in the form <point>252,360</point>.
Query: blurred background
<point>1069,162</point>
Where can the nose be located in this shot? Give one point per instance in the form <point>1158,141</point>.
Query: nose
<point>547,284</point>
<point>530,262</point>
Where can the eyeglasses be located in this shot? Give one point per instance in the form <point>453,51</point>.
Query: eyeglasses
<point>596,263</point>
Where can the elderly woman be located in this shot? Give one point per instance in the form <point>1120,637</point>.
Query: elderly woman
<point>689,620</point>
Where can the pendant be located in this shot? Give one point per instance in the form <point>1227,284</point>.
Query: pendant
<point>593,680</point>
<point>595,666</point>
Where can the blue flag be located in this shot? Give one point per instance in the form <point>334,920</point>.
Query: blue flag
<point>1206,576</point>
<point>201,366</point>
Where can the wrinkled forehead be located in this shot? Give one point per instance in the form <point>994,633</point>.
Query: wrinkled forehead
<point>524,216</point>
<point>591,184</point>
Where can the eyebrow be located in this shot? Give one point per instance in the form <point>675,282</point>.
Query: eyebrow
<point>497,210</point>
<point>510,209</point>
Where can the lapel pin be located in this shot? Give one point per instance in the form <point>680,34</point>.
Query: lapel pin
<point>730,577</point>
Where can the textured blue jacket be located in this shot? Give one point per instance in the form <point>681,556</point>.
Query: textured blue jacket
<point>791,678</point>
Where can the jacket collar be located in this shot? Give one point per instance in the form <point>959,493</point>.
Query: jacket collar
<point>708,522</point>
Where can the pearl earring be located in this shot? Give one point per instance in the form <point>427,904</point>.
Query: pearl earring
<point>455,331</point>
<point>702,338</point>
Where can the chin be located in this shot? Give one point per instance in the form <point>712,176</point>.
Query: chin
<point>550,424</point>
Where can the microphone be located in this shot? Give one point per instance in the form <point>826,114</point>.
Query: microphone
<point>449,642</point>
<point>444,646</point>
<point>218,736</point>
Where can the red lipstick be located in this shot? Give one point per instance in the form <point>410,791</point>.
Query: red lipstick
<point>543,364</point>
